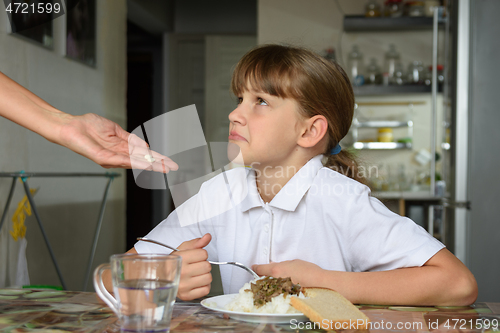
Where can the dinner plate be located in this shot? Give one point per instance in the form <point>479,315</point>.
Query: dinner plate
<point>217,303</point>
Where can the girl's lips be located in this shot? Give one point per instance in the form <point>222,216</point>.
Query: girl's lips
<point>235,136</point>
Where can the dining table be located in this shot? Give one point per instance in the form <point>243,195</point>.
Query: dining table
<point>58,311</point>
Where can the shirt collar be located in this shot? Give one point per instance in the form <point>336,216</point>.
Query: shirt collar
<point>253,198</point>
<point>291,194</point>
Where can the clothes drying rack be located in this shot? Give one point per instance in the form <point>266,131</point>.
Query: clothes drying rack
<point>24,178</point>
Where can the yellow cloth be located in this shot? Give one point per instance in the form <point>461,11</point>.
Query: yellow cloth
<point>23,208</point>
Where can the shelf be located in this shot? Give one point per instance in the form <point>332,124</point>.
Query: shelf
<point>368,90</point>
<point>354,23</point>
<point>382,145</point>
<point>382,123</point>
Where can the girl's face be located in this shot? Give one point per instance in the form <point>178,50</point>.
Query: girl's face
<point>266,128</point>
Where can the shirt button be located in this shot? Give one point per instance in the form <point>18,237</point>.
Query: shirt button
<point>265,251</point>
<point>266,228</point>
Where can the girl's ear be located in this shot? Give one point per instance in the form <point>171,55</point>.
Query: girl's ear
<point>313,131</point>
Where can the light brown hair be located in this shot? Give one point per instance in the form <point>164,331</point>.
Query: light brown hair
<point>319,86</point>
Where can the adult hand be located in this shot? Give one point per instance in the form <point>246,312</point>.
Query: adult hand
<point>106,143</point>
<point>195,274</point>
<point>302,272</point>
<point>90,135</point>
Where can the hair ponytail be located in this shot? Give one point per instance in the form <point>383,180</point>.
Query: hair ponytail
<point>346,164</point>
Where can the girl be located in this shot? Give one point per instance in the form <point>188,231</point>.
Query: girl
<point>315,223</point>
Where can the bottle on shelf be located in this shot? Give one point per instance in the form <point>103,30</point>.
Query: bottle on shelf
<point>385,79</point>
<point>399,77</point>
<point>440,75</point>
<point>428,76</point>
<point>372,9</point>
<point>415,8</point>
<point>393,8</point>
<point>429,6</point>
<point>416,73</point>
<point>390,60</point>
<point>355,66</point>
<point>373,73</point>
<point>385,135</point>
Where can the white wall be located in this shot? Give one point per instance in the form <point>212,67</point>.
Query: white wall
<point>68,206</point>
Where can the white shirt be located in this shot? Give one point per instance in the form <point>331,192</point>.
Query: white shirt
<point>319,216</point>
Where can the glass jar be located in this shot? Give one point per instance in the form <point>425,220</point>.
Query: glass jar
<point>428,76</point>
<point>440,75</point>
<point>393,8</point>
<point>373,73</point>
<point>390,60</point>
<point>416,73</point>
<point>397,177</point>
<point>372,9</point>
<point>399,75</point>
<point>415,8</point>
<point>385,135</point>
<point>385,79</point>
<point>355,66</point>
<point>429,7</point>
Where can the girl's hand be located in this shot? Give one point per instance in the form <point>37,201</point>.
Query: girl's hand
<point>195,273</point>
<point>303,272</point>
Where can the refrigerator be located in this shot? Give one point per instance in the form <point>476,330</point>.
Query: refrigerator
<point>473,208</point>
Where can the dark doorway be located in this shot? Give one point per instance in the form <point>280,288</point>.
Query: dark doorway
<point>143,103</point>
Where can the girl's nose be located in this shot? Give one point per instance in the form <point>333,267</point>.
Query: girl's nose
<point>238,116</point>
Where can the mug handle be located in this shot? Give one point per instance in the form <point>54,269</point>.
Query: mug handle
<point>101,290</point>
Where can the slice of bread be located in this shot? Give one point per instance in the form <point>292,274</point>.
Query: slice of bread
<point>330,310</point>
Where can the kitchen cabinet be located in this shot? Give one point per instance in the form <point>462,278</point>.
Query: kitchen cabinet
<point>422,205</point>
<point>357,23</point>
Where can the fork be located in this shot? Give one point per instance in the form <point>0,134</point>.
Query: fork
<point>248,269</point>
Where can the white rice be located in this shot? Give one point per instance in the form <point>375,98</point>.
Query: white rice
<point>244,303</point>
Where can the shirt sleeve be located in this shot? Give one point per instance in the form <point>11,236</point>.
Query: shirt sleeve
<point>171,232</point>
<point>378,239</point>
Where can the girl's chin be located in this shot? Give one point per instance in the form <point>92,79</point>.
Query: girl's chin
<point>233,151</point>
<point>235,154</point>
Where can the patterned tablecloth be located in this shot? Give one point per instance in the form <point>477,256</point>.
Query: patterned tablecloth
<point>26,310</point>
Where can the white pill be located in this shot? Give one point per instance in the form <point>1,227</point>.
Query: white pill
<point>149,158</point>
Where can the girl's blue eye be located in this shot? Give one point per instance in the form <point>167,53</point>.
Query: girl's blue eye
<point>260,101</point>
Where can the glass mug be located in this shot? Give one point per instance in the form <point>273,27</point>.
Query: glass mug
<point>145,286</point>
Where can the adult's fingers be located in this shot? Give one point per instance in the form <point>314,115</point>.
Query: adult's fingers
<point>112,161</point>
<point>145,159</point>
<point>139,149</point>
<point>140,162</point>
<point>123,134</point>
<point>135,141</point>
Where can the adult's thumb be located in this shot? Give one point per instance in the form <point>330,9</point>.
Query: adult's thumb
<point>196,243</point>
